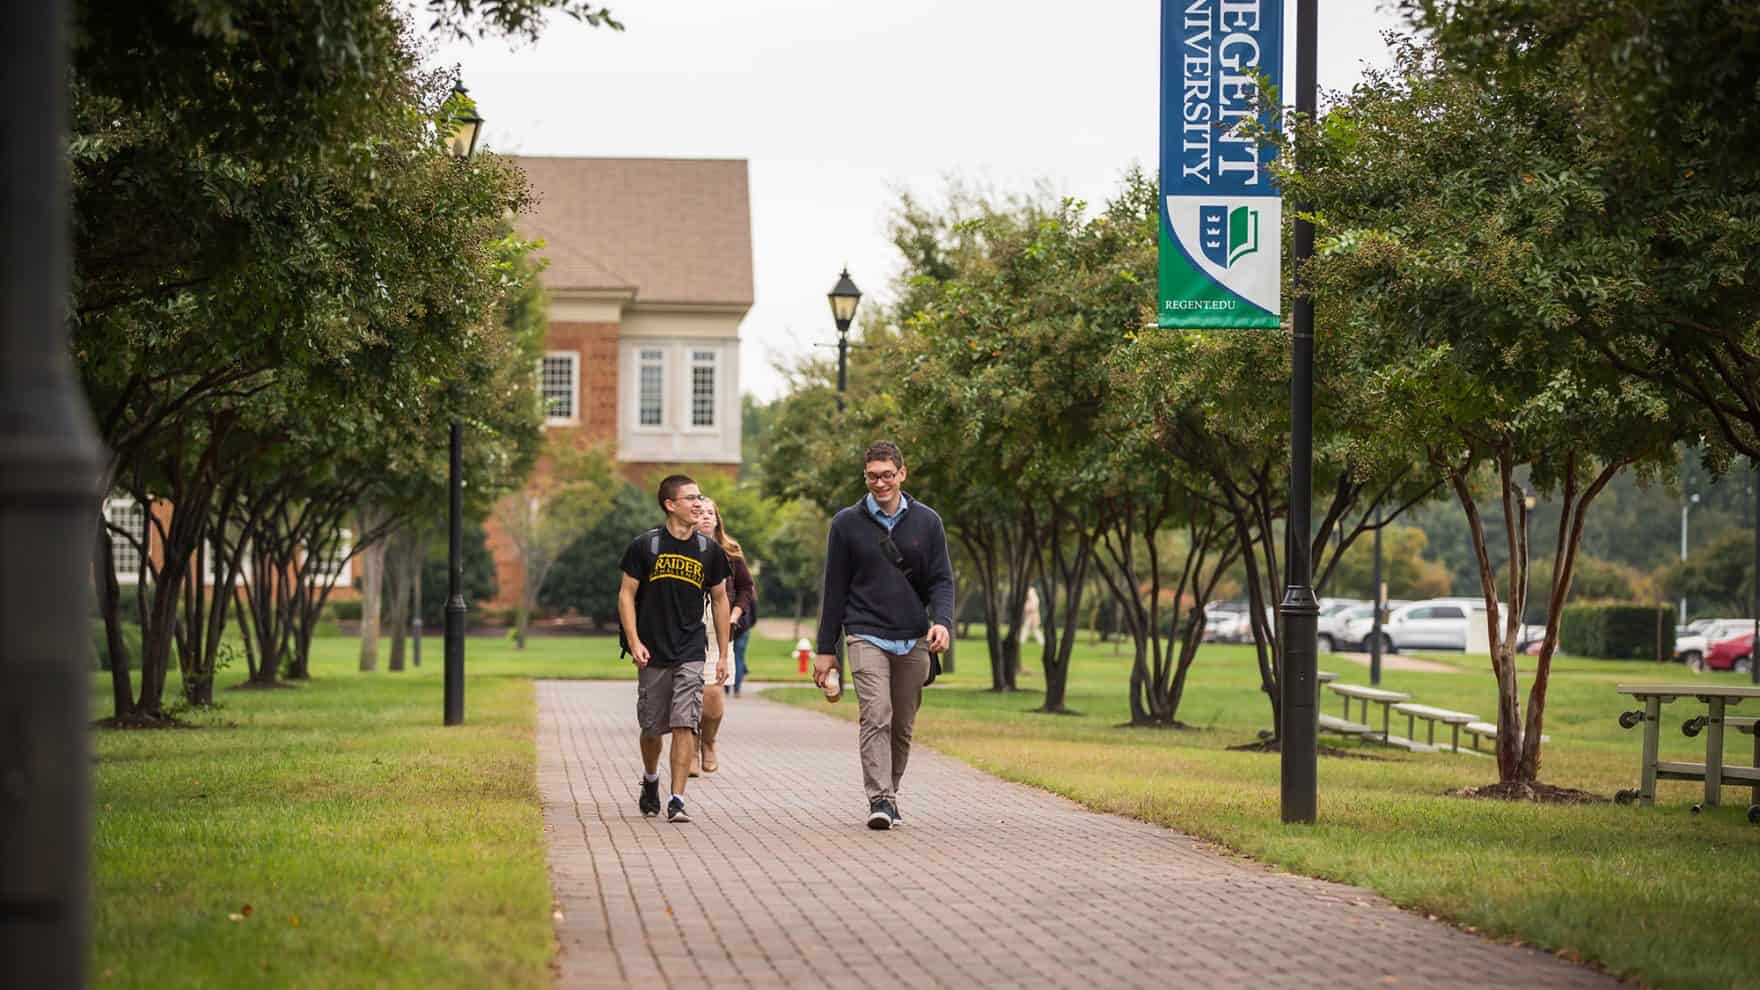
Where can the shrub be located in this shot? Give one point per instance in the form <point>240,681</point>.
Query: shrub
<point>1618,631</point>
<point>346,610</point>
<point>131,641</point>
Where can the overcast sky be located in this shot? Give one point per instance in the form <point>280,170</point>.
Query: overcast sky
<point>840,106</point>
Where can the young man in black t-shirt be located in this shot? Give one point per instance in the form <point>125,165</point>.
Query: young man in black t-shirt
<point>666,571</point>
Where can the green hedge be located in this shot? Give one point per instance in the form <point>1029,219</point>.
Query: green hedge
<point>1617,631</point>
<point>347,610</point>
<point>131,640</point>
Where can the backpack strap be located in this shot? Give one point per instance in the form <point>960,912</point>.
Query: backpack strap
<point>654,542</point>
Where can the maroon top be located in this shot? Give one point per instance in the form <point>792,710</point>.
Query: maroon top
<point>743,594</point>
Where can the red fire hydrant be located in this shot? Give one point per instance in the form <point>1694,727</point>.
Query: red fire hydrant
<point>803,652</point>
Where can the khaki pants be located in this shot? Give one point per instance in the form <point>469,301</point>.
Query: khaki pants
<point>889,689</point>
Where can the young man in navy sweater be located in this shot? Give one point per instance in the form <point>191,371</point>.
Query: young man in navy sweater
<point>886,574</point>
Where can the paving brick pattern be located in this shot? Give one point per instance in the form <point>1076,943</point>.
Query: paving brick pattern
<point>776,882</point>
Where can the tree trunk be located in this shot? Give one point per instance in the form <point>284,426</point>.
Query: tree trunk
<point>110,605</point>
<point>397,588</point>
<point>372,588</point>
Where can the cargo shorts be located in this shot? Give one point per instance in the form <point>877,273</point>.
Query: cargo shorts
<point>669,697</point>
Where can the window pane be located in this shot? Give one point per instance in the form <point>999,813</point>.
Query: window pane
<point>702,388</point>
<point>649,404</point>
<point>557,379</point>
<point>129,516</point>
<point>1450,612</point>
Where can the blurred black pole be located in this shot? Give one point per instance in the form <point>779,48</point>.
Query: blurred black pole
<point>842,367</point>
<point>50,465</point>
<point>454,689</point>
<point>415,622</point>
<point>1380,603</point>
<point>1300,611</point>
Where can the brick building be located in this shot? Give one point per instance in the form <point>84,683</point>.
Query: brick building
<point>650,274</point>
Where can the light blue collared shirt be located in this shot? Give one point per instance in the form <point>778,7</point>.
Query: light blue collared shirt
<point>896,647</point>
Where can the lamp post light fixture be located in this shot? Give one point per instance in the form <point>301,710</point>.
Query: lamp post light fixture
<point>466,125</point>
<point>845,297</point>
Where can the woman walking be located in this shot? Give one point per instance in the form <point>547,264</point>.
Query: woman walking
<point>742,597</point>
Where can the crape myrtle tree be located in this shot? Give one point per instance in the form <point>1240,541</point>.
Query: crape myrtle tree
<point>263,211</point>
<point>1205,399</point>
<point>1447,267</point>
<point>1010,349</point>
<point>1663,276</point>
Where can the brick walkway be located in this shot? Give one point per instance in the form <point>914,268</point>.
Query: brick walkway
<point>777,883</point>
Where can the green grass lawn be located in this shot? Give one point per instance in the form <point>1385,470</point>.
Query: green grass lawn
<point>376,848</point>
<point>373,846</point>
<point>1658,894</point>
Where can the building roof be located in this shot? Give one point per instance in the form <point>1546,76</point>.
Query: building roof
<point>670,230</point>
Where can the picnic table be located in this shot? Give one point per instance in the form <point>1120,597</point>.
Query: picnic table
<point>1713,771</point>
<point>1386,699</point>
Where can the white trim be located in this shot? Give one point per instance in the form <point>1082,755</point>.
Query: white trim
<point>574,388</point>
<point>120,548</point>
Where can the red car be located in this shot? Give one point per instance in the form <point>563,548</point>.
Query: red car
<point>1732,654</point>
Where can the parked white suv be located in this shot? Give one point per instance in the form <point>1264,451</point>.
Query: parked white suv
<point>1334,629</point>
<point>1435,624</point>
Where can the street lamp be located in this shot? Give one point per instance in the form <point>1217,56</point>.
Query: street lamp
<point>1298,686</point>
<point>50,472</point>
<point>466,125</point>
<point>1692,500</point>
<point>844,298</point>
<point>462,143</point>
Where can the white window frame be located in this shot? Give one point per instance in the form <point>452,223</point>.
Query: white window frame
<point>574,388</point>
<point>119,545</point>
<point>710,358</point>
<point>643,363</point>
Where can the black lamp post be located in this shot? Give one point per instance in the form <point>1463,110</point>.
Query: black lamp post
<point>1380,593</point>
<point>50,470</point>
<point>1301,612</point>
<point>844,298</point>
<point>466,125</point>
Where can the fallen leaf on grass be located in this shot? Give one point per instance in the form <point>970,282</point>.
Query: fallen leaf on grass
<point>246,910</point>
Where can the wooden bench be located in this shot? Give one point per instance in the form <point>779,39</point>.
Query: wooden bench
<point>1386,699</point>
<point>1489,731</point>
<point>1454,720</point>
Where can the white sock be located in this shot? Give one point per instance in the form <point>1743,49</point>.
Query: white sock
<point>650,777</point>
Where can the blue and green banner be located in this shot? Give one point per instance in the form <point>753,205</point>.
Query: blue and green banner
<point>1221,214</point>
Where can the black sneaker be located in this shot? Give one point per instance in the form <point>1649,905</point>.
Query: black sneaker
<point>675,810</point>
<point>879,818</point>
<point>892,809</point>
<point>650,802</point>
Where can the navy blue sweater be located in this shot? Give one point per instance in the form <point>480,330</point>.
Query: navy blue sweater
<point>865,594</point>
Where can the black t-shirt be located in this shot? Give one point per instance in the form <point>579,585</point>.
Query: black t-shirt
<point>669,600</point>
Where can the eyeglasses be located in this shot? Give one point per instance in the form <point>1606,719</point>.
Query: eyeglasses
<point>690,498</point>
<point>882,476</point>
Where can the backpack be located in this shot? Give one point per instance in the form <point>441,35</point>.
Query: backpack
<point>653,536</point>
